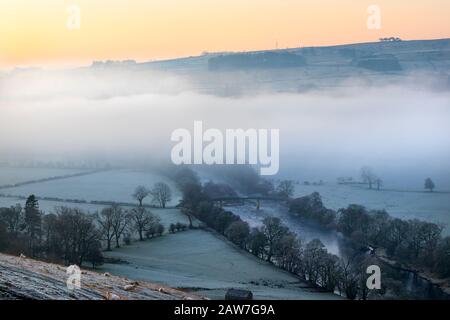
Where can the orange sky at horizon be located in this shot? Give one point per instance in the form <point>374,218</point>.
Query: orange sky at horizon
<point>35,33</point>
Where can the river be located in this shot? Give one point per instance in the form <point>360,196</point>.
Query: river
<point>413,286</point>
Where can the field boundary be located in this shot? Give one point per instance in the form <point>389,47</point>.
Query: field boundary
<point>66,176</point>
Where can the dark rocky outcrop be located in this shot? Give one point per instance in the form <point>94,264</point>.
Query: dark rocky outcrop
<point>238,294</point>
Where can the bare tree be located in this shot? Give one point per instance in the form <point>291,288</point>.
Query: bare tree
<point>368,176</point>
<point>120,221</point>
<point>288,252</point>
<point>77,234</point>
<point>379,183</point>
<point>429,184</point>
<point>140,193</point>
<point>348,282</point>
<point>329,272</point>
<point>189,214</point>
<point>286,188</point>
<point>142,219</point>
<point>274,231</point>
<point>313,258</point>
<point>13,218</point>
<point>105,220</point>
<point>161,194</point>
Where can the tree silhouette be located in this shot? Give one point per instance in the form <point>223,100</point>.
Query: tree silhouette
<point>140,193</point>
<point>429,184</point>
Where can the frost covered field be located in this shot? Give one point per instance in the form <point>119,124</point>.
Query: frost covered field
<point>166,216</point>
<point>118,185</point>
<point>113,185</point>
<point>434,207</point>
<point>200,261</point>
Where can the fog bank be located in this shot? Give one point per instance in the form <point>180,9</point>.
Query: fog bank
<point>401,132</point>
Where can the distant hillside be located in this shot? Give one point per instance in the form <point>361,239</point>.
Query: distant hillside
<point>23,278</point>
<point>308,68</point>
<point>418,64</point>
<point>413,54</point>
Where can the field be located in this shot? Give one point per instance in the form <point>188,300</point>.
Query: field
<point>167,216</point>
<point>199,261</point>
<point>434,207</point>
<point>196,260</point>
<point>116,185</point>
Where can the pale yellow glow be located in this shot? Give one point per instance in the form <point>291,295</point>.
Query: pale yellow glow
<point>34,32</point>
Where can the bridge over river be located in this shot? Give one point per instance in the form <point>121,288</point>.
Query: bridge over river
<point>220,200</point>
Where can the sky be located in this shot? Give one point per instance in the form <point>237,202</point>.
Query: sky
<point>36,32</point>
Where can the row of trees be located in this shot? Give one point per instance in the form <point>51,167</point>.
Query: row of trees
<point>69,235</point>
<point>243,178</point>
<point>285,188</point>
<point>413,241</point>
<point>416,242</point>
<point>72,235</point>
<point>372,180</point>
<point>161,194</point>
<point>117,224</point>
<point>311,207</point>
<point>275,243</point>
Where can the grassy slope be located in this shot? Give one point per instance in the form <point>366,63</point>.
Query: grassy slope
<point>117,185</point>
<point>199,260</point>
<point>23,278</point>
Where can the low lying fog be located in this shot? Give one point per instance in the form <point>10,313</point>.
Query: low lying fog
<point>403,134</point>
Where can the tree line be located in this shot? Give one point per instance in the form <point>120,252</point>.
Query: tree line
<point>75,236</point>
<point>372,180</point>
<point>275,243</point>
<point>413,241</point>
<point>68,235</point>
<point>161,194</point>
